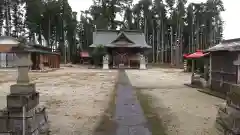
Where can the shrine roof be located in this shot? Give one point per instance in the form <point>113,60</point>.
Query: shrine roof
<point>31,47</point>
<point>106,38</point>
<point>226,45</point>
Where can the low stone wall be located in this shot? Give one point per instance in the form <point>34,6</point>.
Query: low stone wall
<point>224,88</point>
<point>228,118</point>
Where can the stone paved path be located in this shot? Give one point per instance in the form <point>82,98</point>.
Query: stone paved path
<point>129,115</point>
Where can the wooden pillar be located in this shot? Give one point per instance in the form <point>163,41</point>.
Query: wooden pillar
<point>129,61</point>
<point>48,60</point>
<point>56,61</point>
<point>41,60</point>
<point>59,58</point>
<point>193,67</point>
<point>206,69</point>
<point>210,70</point>
<point>53,61</point>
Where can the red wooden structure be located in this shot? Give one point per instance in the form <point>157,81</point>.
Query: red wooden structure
<point>85,57</point>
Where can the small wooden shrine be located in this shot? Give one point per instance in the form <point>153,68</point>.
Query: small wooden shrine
<point>43,57</point>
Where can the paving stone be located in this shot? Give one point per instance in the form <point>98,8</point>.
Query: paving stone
<point>122,130</point>
<point>139,130</point>
<point>130,120</point>
<point>128,114</point>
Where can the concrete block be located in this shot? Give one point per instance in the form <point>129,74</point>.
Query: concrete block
<point>233,112</point>
<point>15,102</point>
<point>229,120</point>
<point>233,97</point>
<point>29,114</point>
<point>22,89</point>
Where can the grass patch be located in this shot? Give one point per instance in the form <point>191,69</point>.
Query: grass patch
<point>208,91</point>
<point>165,65</point>
<point>212,93</point>
<point>154,122</point>
<point>107,125</point>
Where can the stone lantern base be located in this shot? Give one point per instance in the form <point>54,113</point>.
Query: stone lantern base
<point>22,111</point>
<point>15,117</point>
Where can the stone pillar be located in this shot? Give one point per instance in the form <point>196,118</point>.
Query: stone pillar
<point>142,62</point>
<point>106,62</point>
<point>210,71</point>
<point>22,115</point>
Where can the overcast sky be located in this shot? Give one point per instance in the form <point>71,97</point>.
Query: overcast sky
<point>231,25</point>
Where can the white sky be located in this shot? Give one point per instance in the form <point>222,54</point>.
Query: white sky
<point>231,25</point>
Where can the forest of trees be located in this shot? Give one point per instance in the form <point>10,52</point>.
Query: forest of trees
<point>167,24</point>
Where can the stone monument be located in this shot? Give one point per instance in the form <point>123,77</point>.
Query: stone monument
<point>106,62</point>
<point>22,116</point>
<point>142,62</point>
<point>228,118</point>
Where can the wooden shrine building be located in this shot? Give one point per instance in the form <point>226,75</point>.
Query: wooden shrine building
<point>225,65</point>
<point>43,57</point>
<point>125,48</point>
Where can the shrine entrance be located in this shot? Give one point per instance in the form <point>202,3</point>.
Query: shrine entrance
<point>120,57</point>
<point>125,58</point>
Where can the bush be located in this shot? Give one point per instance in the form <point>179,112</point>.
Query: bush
<point>97,54</point>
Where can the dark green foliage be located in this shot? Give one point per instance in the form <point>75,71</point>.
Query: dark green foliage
<point>55,20</point>
<point>98,53</point>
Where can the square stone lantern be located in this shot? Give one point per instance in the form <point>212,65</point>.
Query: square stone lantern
<point>22,116</point>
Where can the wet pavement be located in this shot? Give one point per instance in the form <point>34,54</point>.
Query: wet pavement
<point>129,115</point>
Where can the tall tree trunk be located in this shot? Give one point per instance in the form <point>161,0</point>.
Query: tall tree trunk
<point>153,43</point>
<point>158,39</point>
<point>162,42</point>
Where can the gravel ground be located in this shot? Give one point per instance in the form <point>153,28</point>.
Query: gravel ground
<point>75,98</point>
<point>184,110</point>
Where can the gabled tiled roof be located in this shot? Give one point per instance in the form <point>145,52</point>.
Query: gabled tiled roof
<point>103,38</point>
<point>122,34</point>
<point>106,38</point>
<point>226,45</point>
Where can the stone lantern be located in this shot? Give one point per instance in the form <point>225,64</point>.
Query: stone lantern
<point>22,116</point>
